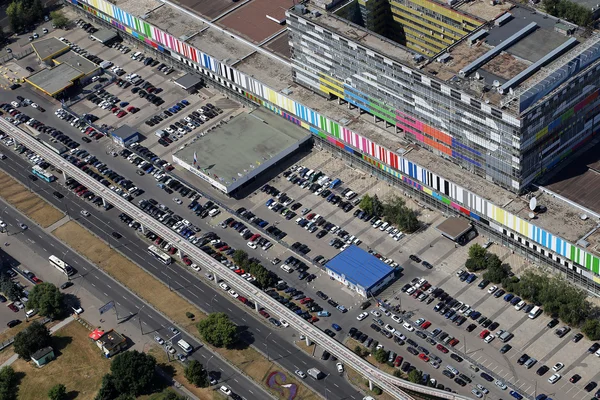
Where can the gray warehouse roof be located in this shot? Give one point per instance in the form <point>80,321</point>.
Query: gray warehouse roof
<point>188,81</point>
<point>234,149</point>
<point>105,35</point>
<point>54,80</point>
<point>48,47</point>
<point>76,61</point>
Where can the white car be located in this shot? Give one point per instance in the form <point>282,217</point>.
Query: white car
<point>558,366</point>
<point>376,313</point>
<point>397,319</point>
<point>411,290</point>
<point>340,367</point>
<point>362,316</point>
<point>159,340</point>
<point>2,224</point>
<point>501,384</point>
<point>482,388</point>
<point>390,328</point>
<point>77,310</point>
<point>177,200</point>
<point>225,389</point>
<point>233,294</point>
<point>284,323</point>
<point>223,286</point>
<point>252,245</point>
<point>554,378</point>
<point>489,338</point>
<point>195,267</point>
<point>492,289</point>
<point>85,213</point>
<point>299,373</point>
<point>34,105</point>
<point>23,226</point>
<point>408,327</point>
<point>379,347</point>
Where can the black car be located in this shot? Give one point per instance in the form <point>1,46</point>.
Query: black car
<point>542,370</point>
<point>590,386</point>
<point>116,235</point>
<point>593,348</point>
<point>412,351</point>
<point>552,323</point>
<point>415,258</point>
<point>456,357</point>
<point>577,337</point>
<point>66,285</point>
<point>13,323</point>
<point>505,348</point>
<point>522,359</point>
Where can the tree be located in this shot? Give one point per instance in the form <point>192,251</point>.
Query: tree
<point>133,372</point>
<point>196,374</point>
<point>415,376</point>
<point>107,390</point>
<point>380,355</point>
<point>591,329</point>
<point>9,288</point>
<point>8,382</point>
<point>58,19</point>
<point>218,330</point>
<point>14,12</point>
<point>47,299</point>
<point>36,336</point>
<point>58,392</point>
<point>496,271</point>
<point>240,257</point>
<point>397,213</point>
<point>371,205</point>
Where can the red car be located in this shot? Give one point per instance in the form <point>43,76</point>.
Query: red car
<point>424,357</point>
<point>442,348</point>
<point>313,319</point>
<point>121,114</point>
<point>305,300</point>
<point>13,307</point>
<point>454,342</point>
<point>158,241</point>
<point>172,250</point>
<point>426,325</point>
<point>36,279</point>
<point>130,108</point>
<point>243,299</point>
<point>261,312</point>
<point>187,261</point>
<point>169,167</point>
<point>398,361</point>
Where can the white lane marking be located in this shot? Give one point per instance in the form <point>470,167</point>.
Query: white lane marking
<point>194,294</point>
<point>108,286</point>
<point>105,294</point>
<point>118,303</point>
<point>93,284</point>
<point>124,297</point>
<point>199,288</point>
<point>258,329</point>
<point>335,384</point>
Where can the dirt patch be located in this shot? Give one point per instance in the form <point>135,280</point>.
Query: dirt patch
<point>27,202</point>
<point>169,303</point>
<point>307,349</point>
<point>79,365</point>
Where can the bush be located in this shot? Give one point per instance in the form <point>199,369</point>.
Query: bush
<point>218,330</point>
<point>58,392</point>
<point>398,373</point>
<point>380,355</point>
<point>591,329</point>
<point>189,315</point>
<point>196,374</point>
<point>377,391</point>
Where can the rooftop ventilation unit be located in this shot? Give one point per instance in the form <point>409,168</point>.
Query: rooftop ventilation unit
<point>477,35</point>
<point>533,68</point>
<point>504,18</point>
<point>496,50</point>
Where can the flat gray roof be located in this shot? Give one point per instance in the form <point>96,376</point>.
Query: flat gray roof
<point>124,131</point>
<point>78,62</point>
<point>188,80</point>
<point>54,80</point>
<point>454,227</point>
<point>105,35</point>
<point>48,47</point>
<point>234,149</point>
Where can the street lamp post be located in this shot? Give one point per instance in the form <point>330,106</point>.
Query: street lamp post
<point>267,345</point>
<point>140,319</point>
<point>211,303</point>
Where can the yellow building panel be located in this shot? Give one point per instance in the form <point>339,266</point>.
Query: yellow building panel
<point>414,14</point>
<point>331,79</point>
<point>436,35</point>
<point>524,228</point>
<point>333,85</point>
<point>325,89</point>
<point>419,49</point>
<point>426,41</point>
<point>439,9</point>
<point>541,133</point>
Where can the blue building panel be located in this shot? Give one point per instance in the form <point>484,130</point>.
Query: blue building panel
<point>359,267</point>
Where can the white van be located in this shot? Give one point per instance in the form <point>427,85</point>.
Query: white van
<point>136,55</point>
<point>30,313</point>
<point>535,312</point>
<point>214,212</point>
<point>384,226</point>
<point>185,346</point>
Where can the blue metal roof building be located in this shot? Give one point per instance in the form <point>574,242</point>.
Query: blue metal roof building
<point>360,270</point>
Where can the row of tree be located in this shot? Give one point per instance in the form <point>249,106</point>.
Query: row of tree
<point>22,14</point>
<point>554,294</point>
<point>569,10</point>
<point>393,210</point>
<point>264,277</point>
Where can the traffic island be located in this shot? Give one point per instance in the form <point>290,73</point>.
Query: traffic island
<point>28,202</point>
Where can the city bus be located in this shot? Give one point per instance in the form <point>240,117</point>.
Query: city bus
<point>159,255</point>
<point>61,265</point>
<point>40,173</point>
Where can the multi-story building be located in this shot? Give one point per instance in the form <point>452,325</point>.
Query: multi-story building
<point>506,101</point>
<point>460,121</point>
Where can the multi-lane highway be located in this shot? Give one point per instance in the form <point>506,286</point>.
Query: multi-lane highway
<point>387,382</point>
<point>104,287</point>
<point>185,282</point>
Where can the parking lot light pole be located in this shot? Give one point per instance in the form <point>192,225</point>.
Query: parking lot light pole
<point>267,345</point>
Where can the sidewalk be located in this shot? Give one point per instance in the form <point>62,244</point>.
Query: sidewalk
<point>57,224</point>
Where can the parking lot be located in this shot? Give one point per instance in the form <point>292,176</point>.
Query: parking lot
<point>531,336</point>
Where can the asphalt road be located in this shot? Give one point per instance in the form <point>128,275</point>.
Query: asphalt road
<point>104,287</point>
<point>185,282</point>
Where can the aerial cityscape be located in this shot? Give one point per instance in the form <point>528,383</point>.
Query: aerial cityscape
<point>285,199</point>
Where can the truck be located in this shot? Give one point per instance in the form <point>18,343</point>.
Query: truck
<point>315,373</point>
<point>335,183</point>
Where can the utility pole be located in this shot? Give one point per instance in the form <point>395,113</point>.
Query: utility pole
<point>267,345</point>
<point>140,319</point>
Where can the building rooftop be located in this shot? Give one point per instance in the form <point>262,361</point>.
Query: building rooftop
<point>257,20</point>
<point>454,227</point>
<point>270,72</point>
<point>260,133</point>
<point>49,47</point>
<point>360,35</point>
<point>220,45</point>
<point>105,35</point>
<point>359,267</point>
<point>138,8</point>
<point>41,353</point>
<point>54,80</point>
<point>111,339</point>
<point>485,10</point>
<point>175,22</point>
<point>124,131</point>
<point>280,45</point>
<point>210,9</point>
<point>76,61</point>
<point>188,81</point>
